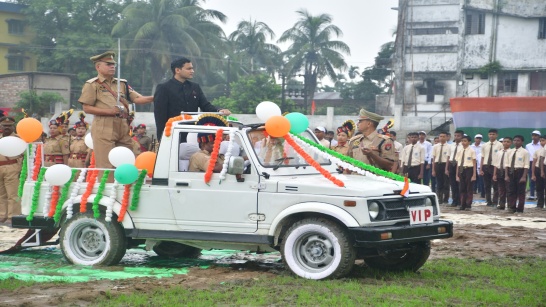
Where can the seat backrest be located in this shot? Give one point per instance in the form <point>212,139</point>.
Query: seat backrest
<point>185,151</point>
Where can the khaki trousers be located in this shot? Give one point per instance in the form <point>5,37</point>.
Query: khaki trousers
<point>109,132</point>
<point>9,184</point>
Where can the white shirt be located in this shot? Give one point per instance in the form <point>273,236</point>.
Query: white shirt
<point>428,150</point>
<point>478,150</point>
<point>531,147</point>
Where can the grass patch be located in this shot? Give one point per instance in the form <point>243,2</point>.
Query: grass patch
<point>464,282</point>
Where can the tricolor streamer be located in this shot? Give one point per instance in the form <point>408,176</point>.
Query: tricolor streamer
<point>74,194</point>
<point>110,203</point>
<point>227,156</point>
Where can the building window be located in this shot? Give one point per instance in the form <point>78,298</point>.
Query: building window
<point>508,82</point>
<point>435,31</point>
<point>475,23</point>
<point>538,81</point>
<point>430,89</point>
<point>15,26</point>
<point>542,28</point>
<point>15,63</point>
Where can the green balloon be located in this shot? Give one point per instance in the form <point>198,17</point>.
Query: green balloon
<point>126,173</point>
<point>298,122</point>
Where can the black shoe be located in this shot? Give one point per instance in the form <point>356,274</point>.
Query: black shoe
<point>500,208</point>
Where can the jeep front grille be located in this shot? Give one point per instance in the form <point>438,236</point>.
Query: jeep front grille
<point>395,209</point>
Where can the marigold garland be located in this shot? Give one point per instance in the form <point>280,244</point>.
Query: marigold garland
<point>54,201</point>
<point>92,178</point>
<point>24,172</point>
<point>352,161</point>
<point>312,162</point>
<point>136,190</point>
<point>64,196</point>
<point>169,124</point>
<point>37,162</point>
<point>124,202</point>
<point>214,154</point>
<point>98,197</point>
<point>36,195</point>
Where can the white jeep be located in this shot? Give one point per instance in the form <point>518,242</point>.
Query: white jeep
<point>268,201</point>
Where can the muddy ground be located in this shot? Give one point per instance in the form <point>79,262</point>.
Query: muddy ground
<point>481,233</point>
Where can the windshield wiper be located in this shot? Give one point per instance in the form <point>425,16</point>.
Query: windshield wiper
<point>281,160</point>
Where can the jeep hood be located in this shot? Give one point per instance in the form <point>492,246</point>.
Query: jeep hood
<point>355,185</point>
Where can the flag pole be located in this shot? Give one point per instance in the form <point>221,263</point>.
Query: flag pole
<point>119,71</point>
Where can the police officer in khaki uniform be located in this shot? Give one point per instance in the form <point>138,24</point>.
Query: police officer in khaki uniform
<point>78,149</point>
<point>10,168</point>
<point>371,147</point>
<point>199,161</point>
<point>99,97</point>
<point>56,148</point>
<point>144,141</point>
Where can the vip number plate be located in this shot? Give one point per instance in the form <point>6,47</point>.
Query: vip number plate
<point>420,215</point>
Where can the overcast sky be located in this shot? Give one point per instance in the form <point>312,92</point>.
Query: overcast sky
<point>366,24</point>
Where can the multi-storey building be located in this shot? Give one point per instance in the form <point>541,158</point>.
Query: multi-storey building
<point>14,34</point>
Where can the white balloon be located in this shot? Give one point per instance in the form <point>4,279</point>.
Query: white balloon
<point>266,109</point>
<point>11,146</point>
<point>58,174</point>
<point>121,155</point>
<point>88,140</point>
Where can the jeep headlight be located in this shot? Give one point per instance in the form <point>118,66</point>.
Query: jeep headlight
<point>428,202</point>
<point>373,209</point>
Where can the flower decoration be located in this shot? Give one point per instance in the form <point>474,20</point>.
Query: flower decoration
<point>214,155</point>
<point>124,202</point>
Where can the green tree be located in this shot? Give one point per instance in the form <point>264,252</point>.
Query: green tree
<point>249,91</point>
<point>35,104</point>
<point>250,39</point>
<point>160,30</point>
<point>312,50</point>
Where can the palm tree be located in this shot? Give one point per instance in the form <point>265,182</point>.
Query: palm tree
<point>353,72</point>
<point>156,31</point>
<point>312,50</point>
<point>250,38</point>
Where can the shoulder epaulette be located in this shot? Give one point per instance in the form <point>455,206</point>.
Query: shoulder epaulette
<point>92,80</point>
<point>122,80</point>
<point>355,137</point>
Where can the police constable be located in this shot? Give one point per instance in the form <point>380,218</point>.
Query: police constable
<point>56,148</point>
<point>99,97</point>
<point>144,141</point>
<point>10,168</point>
<point>78,149</point>
<point>371,147</point>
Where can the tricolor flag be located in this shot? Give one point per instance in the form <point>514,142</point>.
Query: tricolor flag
<point>405,190</point>
<point>510,115</point>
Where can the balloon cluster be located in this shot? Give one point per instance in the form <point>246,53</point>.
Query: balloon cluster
<point>29,130</point>
<point>277,125</point>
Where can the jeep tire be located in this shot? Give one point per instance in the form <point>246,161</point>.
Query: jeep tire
<point>402,261</point>
<point>317,248</point>
<point>85,240</point>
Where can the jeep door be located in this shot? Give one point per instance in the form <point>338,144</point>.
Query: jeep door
<point>225,205</point>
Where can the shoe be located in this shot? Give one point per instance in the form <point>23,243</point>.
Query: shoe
<point>531,198</point>
<point>2,220</point>
<point>468,209</point>
<point>460,208</point>
<point>500,208</point>
<point>7,222</point>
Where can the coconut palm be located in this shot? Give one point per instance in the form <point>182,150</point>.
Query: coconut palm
<point>250,38</point>
<point>313,51</point>
<point>156,31</point>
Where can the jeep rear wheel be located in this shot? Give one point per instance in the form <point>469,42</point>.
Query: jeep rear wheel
<point>318,248</point>
<point>88,241</point>
<point>411,260</point>
<point>176,250</point>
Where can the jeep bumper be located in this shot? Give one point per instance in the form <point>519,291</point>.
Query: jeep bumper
<point>396,234</point>
<point>38,222</point>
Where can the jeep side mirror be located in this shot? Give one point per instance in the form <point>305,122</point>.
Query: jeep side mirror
<point>236,165</point>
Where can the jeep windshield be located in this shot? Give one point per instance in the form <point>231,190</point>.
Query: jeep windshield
<point>276,152</point>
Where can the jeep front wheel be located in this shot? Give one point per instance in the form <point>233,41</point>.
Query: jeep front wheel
<point>318,248</point>
<point>85,240</point>
<point>411,260</point>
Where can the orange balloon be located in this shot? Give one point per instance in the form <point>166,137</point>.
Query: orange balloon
<point>29,129</point>
<point>146,160</point>
<point>277,126</point>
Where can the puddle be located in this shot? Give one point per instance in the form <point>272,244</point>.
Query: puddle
<point>48,265</point>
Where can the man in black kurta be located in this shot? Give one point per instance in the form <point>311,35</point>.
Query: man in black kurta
<point>180,95</point>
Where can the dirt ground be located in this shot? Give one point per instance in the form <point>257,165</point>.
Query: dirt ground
<point>481,233</point>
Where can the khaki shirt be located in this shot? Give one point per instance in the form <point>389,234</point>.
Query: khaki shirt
<point>417,155</point>
<point>499,158</point>
<point>78,147</point>
<point>469,157</point>
<point>521,158</point>
<point>539,153</point>
<point>56,146</point>
<point>453,152</point>
<point>440,153</point>
<point>372,141</point>
<point>342,149</point>
<point>95,94</point>
<point>199,161</point>
<point>144,141</point>
<point>486,151</point>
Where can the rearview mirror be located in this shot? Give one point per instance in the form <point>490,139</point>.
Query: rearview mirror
<point>236,165</point>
